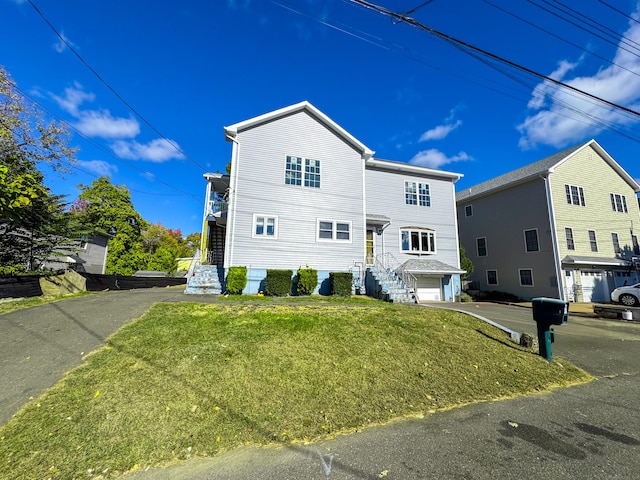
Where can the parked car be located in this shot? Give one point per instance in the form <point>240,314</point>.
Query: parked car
<point>628,295</point>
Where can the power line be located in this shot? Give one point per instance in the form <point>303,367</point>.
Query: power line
<point>619,11</point>
<point>112,90</point>
<point>469,47</point>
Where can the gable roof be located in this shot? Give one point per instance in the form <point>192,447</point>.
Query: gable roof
<point>232,130</point>
<point>541,168</point>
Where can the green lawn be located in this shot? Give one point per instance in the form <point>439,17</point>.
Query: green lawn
<point>191,380</point>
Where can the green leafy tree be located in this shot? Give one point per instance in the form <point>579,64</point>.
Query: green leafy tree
<point>32,222</point>
<point>465,264</point>
<point>109,208</point>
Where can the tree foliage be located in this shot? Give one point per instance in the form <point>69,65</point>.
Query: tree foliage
<point>32,222</point>
<point>165,245</point>
<point>465,264</point>
<point>109,208</point>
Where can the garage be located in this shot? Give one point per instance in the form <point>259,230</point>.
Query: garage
<point>594,286</point>
<point>428,287</point>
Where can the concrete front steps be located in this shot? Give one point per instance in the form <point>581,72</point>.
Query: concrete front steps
<point>386,285</point>
<point>206,280</point>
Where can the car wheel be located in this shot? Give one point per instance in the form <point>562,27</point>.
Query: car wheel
<point>628,300</point>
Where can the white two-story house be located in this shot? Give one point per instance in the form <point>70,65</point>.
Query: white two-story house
<point>302,191</point>
<point>564,227</point>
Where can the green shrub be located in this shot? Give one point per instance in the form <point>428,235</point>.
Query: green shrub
<point>278,283</point>
<point>236,280</point>
<point>306,281</point>
<point>341,283</point>
<point>465,297</point>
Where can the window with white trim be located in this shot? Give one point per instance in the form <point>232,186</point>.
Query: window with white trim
<point>293,171</point>
<point>481,246</point>
<point>575,195</point>
<point>265,226</point>
<point>417,194</point>
<point>417,240</point>
<point>526,277</point>
<point>593,241</point>
<point>636,245</point>
<point>311,173</point>
<point>531,240</point>
<point>334,231</point>
<point>618,203</point>
<point>492,277</point>
<point>616,243</point>
<point>568,233</point>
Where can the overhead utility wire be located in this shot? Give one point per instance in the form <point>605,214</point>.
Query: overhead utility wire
<point>418,7</point>
<point>619,11</point>
<point>559,37</point>
<point>468,46</point>
<point>112,90</point>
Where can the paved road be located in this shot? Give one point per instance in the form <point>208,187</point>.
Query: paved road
<point>588,432</point>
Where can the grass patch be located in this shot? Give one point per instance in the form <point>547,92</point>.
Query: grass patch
<point>193,380</point>
<point>353,299</point>
<point>10,305</point>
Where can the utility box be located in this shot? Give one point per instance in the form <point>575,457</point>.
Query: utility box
<point>550,311</point>
<point>547,312</point>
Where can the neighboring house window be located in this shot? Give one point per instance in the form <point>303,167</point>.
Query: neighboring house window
<point>636,245</point>
<point>468,210</point>
<point>331,230</point>
<point>568,232</point>
<point>312,173</point>
<point>575,195</point>
<point>616,243</point>
<point>492,277</point>
<point>418,240</point>
<point>618,203</point>
<point>526,277</point>
<point>417,194</point>
<point>293,171</point>
<point>593,240</point>
<point>531,240</point>
<point>265,226</point>
<point>481,245</point>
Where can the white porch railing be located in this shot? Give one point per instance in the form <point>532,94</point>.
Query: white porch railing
<point>390,264</point>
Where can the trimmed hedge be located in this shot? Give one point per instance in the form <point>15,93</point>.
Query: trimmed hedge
<point>306,281</point>
<point>236,280</point>
<point>341,283</point>
<point>278,283</point>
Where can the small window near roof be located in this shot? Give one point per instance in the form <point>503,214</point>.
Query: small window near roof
<point>468,210</point>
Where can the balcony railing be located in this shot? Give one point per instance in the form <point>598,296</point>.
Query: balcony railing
<point>215,207</point>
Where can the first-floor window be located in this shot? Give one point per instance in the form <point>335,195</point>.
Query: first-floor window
<point>526,277</point>
<point>481,245</point>
<point>568,232</point>
<point>418,240</point>
<point>492,277</point>
<point>265,226</point>
<point>332,230</point>
<point>593,241</point>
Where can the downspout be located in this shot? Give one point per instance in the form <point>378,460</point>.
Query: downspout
<point>364,209</point>
<point>233,197</point>
<point>454,287</point>
<point>554,238</point>
<point>205,225</point>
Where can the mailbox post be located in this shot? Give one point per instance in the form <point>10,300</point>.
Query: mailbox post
<point>547,312</point>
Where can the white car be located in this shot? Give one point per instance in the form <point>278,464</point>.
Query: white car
<point>628,295</point>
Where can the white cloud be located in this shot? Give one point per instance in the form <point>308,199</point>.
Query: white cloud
<point>94,123</point>
<point>433,158</point>
<point>158,150</point>
<point>562,117</point>
<point>73,98</point>
<point>98,167</point>
<point>439,132</point>
<point>61,45</point>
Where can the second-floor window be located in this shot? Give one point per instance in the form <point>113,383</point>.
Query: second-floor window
<point>293,172</point>
<point>575,195</point>
<point>618,203</point>
<point>418,240</point>
<point>481,246</point>
<point>417,194</point>
<point>531,240</point>
<point>616,243</point>
<point>468,211</point>
<point>593,241</point>
<point>568,232</point>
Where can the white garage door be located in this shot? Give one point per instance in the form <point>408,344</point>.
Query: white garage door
<point>428,288</point>
<point>594,286</point>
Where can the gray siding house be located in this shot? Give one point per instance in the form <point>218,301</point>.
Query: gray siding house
<point>302,191</point>
<point>563,227</point>
<point>87,254</point>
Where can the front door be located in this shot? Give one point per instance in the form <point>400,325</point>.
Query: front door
<point>370,247</point>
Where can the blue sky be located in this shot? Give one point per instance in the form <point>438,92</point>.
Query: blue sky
<point>184,70</point>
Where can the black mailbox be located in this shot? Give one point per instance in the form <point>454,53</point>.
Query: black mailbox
<point>550,311</point>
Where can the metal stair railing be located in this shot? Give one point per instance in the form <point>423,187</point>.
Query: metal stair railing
<point>388,263</point>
